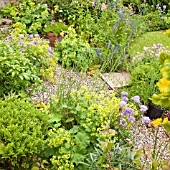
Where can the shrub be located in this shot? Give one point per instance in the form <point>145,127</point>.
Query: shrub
<point>23,129</point>
<point>25,59</point>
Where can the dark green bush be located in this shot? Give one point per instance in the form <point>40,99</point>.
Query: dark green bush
<point>23,128</point>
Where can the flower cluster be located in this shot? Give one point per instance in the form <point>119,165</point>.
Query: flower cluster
<point>128,112</point>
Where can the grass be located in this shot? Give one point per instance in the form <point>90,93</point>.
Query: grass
<point>147,40</point>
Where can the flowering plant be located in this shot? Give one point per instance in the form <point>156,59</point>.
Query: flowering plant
<point>55,27</point>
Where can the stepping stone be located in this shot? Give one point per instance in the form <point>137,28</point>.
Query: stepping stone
<point>116,80</point>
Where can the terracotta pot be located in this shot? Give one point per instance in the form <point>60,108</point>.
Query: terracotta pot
<point>154,112</point>
<point>52,38</point>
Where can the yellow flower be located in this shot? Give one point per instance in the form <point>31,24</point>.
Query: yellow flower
<point>159,121</point>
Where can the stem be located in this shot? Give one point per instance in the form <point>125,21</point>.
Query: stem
<point>155,143</point>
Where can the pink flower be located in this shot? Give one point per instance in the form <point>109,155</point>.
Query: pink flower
<point>52,22</point>
<point>93,4</point>
<point>104,7</point>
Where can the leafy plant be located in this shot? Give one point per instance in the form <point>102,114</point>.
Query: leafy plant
<point>145,74</point>
<point>75,52</point>
<point>79,121</point>
<point>23,131</point>
<point>55,27</point>
<point>30,13</point>
<point>25,60</point>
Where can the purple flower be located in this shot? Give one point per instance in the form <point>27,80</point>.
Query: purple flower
<point>128,111</point>
<point>49,50</point>
<point>131,23</point>
<point>10,37</point>
<point>19,42</point>
<point>158,46</point>
<point>51,55</point>
<point>114,27</point>
<point>122,103</point>
<point>35,42</point>
<point>124,93</point>
<point>36,35</point>
<point>145,119</point>
<point>143,108</point>
<point>22,49</point>
<point>24,46</point>
<point>21,36</point>
<point>124,98</point>
<point>123,122</point>
<point>131,118</point>
<point>136,99</point>
<point>30,36</point>
<point>97,51</point>
<point>108,44</point>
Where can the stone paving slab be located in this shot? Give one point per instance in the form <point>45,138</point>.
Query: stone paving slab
<point>116,80</point>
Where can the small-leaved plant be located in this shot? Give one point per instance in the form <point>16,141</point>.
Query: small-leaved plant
<point>23,130</point>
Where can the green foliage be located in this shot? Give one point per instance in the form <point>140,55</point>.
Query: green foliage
<point>112,156</point>
<point>156,21</point>
<point>23,130</point>
<point>24,60</point>
<point>79,121</point>
<point>112,34</point>
<point>75,52</point>
<point>144,76</point>
<point>56,27</point>
<point>30,13</point>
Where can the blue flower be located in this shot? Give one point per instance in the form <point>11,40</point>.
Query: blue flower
<point>49,50</point>
<point>98,51</point>
<point>122,103</point>
<point>145,119</point>
<point>125,99</point>
<point>127,111</point>
<point>10,37</point>
<point>131,118</point>
<point>35,42</point>
<point>143,108</point>
<point>123,122</point>
<point>131,23</point>
<point>20,42</point>
<point>108,44</point>
<point>136,99</point>
<point>114,27</point>
<point>124,93</point>
<point>51,55</point>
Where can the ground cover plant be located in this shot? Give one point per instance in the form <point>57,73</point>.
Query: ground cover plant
<point>75,126</point>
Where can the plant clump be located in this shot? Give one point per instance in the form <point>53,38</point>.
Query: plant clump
<point>23,130</point>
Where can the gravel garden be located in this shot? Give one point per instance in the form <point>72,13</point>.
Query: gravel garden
<point>85,85</point>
